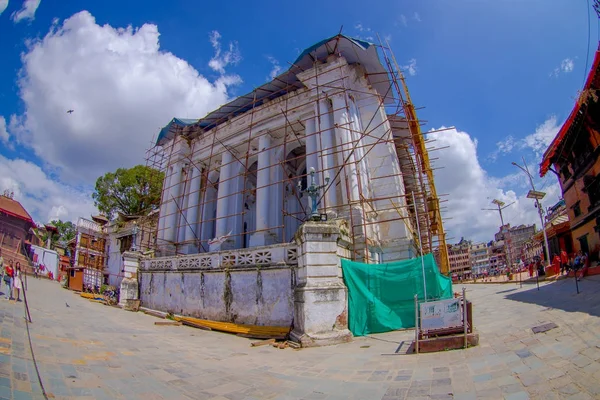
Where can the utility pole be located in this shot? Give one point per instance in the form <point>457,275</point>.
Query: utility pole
<point>501,207</point>
<point>537,196</point>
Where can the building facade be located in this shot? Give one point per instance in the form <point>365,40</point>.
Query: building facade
<point>480,258</point>
<point>238,178</point>
<point>573,158</point>
<point>460,258</point>
<point>90,253</point>
<point>514,240</point>
<point>15,230</point>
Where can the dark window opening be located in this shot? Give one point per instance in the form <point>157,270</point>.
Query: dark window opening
<point>577,210</point>
<point>565,172</point>
<point>594,193</point>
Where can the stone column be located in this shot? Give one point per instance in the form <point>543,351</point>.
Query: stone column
<point>312,155</point>
<point>276,192</point>
<point>182,202</point>
<point>192,209</point>
<point>223,198</point>
<point>320,296</point>
<point>172,209</point>
<point>235,206</point>
<point>340,116</point>
<point>130,289</point>
<point>263,200</point>
<point>208,209</point>
<point>164,206</point>
<point>325,125</point>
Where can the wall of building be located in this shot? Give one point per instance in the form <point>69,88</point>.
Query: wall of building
<point>244,286</point>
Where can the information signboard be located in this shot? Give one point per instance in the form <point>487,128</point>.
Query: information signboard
<point>441,314</point>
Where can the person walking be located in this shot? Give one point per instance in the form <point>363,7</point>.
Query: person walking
<point>8,279</point>
<point>17,281</point>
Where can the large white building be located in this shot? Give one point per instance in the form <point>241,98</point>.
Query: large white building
<point>237,177</point>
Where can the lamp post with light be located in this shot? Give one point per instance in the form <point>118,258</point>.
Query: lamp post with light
<point>537,196</point>
<point>501,206</point>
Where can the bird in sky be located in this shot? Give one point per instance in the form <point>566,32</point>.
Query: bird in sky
<point>70,112</point>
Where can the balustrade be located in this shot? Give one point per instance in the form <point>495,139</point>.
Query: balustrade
<point>286,254</point>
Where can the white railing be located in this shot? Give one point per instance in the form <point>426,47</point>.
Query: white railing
<point>87,224</point>
<point>282,254</point>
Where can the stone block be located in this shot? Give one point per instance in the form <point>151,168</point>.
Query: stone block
<point>447,343</point>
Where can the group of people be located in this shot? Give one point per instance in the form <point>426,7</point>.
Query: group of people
<point>12,278</point>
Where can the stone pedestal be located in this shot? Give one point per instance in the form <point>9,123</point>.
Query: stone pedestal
<point>130,289</point>
<point>320,296</point>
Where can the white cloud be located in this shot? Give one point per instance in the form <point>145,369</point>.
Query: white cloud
<point>276,68</point>
<point>470,189</point>
<point>27,12</point>
<point>566,66</point>
<point>222,59</point>
<point>122,89</point>
<point>417,17</point>
<point>542,137</point>
<point>411,67</point>
<point>3,5</point>
<point>403,20</point>
<point>4,136</point>
<point>538,141</point>
<point>44,198</point>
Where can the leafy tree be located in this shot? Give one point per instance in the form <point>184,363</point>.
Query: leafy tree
<point>66,231</point>
<point>133,191</point>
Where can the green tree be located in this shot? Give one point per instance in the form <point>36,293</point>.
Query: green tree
<point>66,231</point>
<point>133,191</point>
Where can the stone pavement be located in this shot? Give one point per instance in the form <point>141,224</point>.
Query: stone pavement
<point>88,350</point>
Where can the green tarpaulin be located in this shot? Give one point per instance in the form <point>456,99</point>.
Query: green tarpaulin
<point>381,296</point>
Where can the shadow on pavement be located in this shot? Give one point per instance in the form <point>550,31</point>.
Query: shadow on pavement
<point>563,295</point>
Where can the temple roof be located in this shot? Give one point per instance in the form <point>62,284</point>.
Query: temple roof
<point>13,208</point>
<point>355,51</point>
<point>592,82</point>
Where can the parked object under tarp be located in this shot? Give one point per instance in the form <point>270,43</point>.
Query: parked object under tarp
<point>381,296</point>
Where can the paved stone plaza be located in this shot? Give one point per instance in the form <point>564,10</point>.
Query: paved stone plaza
<point>88,350</point>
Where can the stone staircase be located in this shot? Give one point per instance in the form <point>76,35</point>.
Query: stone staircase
<point>11,253</point>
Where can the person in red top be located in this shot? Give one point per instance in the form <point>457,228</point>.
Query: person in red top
<point>564,260</point>
<point>9,272</point>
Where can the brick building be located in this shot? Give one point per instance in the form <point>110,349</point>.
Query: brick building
<point>573,158</point>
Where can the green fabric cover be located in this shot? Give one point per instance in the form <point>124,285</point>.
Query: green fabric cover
<point>381,296</point>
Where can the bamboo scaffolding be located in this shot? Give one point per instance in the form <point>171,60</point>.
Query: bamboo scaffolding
<point>240,139</point>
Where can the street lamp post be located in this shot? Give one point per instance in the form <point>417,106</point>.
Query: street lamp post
<point>537,196</point>
<point>501,207</point>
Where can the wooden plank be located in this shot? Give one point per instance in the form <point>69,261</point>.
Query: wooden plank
<point>262,343</point>
<point>254,335</point>
<point>165,323</point>
<point>193,325</point>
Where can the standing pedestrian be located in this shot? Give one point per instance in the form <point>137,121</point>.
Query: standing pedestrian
<point>8,279</point>
<point>564,260</point>
<point>17,282</point>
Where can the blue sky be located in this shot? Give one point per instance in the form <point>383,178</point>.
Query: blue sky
<point>496,70</point>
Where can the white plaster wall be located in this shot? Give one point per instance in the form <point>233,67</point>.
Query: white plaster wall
<point>264,300</point>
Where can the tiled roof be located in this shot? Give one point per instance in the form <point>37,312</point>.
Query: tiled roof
<point>14,209</point>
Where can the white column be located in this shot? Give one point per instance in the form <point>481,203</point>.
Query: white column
<point>263,199</point>
<point>223,196</point>
<point>340,115</point>
<point>164,205</point>
<point>276,193</point>
<point>360,151</point>
<point>325,125</point>
<point>208,209</point>
<point>312,156</point>
<point>192,206</point>
<point>182,203</point>
<point>235,205</point>
<point>173,195</point>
